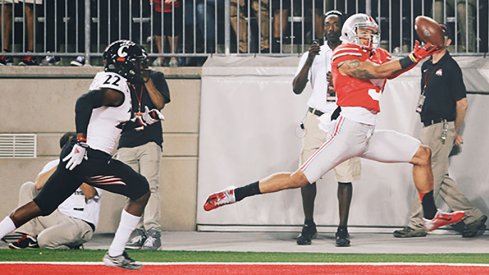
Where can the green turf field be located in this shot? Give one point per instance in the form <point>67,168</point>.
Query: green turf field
<point>188,256</point>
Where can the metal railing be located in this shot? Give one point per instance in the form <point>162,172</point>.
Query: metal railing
<point>198,28</point>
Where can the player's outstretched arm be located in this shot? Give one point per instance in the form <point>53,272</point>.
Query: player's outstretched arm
<point>418,54</point>
<point>390,69</point>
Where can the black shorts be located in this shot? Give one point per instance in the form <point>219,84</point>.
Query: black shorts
<point>168,23</point>
<point>99,170</point>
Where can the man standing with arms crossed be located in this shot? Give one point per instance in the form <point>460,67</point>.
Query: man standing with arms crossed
<point>314,66</point>
<point>442,107</point>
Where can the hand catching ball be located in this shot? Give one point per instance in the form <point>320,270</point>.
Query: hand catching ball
<point>429,31</point>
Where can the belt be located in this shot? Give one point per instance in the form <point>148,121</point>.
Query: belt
<point>315,111</point>
<point>434,121</point>
<point>92,226</point>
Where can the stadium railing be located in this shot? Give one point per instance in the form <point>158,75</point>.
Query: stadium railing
<point>70,28</point>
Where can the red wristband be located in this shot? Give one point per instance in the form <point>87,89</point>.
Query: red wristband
<point>81,139</point>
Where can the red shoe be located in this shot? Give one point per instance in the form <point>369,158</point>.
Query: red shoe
<point>219,199</point>
<point>442,219</point>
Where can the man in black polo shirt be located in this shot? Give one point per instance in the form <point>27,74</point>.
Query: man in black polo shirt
<point>141,149</point>
<point>442,107</point>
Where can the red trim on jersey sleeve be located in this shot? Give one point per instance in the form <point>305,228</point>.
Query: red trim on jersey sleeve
<point>347,50</point>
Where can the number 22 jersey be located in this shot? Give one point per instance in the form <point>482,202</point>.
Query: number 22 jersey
<point>105,126</point>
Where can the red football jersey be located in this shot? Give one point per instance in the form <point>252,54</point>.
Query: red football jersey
<point>352,91</point>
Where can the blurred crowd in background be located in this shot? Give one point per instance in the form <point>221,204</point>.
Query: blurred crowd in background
<point>186,32</point>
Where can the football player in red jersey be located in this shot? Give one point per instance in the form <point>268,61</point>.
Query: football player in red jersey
<point>360,70</point>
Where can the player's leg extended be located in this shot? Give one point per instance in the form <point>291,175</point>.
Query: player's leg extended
<point>130,217</point>
<point>342,146</point>
<point>391,146</point>
<point>19,217</point>
<point>119,178</point>
<point>58,187</point>
<point>422,175</point>
<point>270,184</point>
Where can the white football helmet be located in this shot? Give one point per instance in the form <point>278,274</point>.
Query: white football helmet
<point>360,20</point>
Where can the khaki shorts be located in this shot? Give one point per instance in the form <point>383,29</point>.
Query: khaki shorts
<point>347,171</point>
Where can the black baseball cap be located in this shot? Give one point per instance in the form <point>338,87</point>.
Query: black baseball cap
<point>447,31</point>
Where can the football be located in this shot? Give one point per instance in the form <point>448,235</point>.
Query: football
<point>429,30</point>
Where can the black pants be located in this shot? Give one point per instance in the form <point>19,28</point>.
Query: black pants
<point>100,170</point>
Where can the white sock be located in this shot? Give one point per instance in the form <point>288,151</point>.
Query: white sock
<point>6,226</point>
<point>127,224</point>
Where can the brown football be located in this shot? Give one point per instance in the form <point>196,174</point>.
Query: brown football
<point>429,30</point>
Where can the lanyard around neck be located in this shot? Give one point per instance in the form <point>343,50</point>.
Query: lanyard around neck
<point>139,98</point>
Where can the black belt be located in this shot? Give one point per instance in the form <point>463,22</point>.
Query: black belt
<point>315,111</point>
<point>92,226</point>
<point>434,121</point>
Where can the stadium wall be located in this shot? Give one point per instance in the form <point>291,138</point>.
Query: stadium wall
<point>250,129</point>
<point>229,123</point>
<point>41,100</point>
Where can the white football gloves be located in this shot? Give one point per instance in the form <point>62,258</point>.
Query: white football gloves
<point>139,123</point>
<point>76,156</point>
<point>147,118</point>
<point>152,116</point>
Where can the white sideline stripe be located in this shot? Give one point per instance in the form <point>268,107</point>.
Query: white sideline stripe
<point>254,263</point>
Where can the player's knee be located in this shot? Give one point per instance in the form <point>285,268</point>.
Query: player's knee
<point>143,199</point>
<point>142,193</point>
<point>47,211</point>
<point>298,180</point>
<point>31,210</point>
<point>42,208</point>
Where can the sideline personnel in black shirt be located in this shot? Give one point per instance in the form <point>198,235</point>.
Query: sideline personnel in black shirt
<point>443,114</point>
<point>443,86</point>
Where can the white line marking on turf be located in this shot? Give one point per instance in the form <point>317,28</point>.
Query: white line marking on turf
<point>255,263</point>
